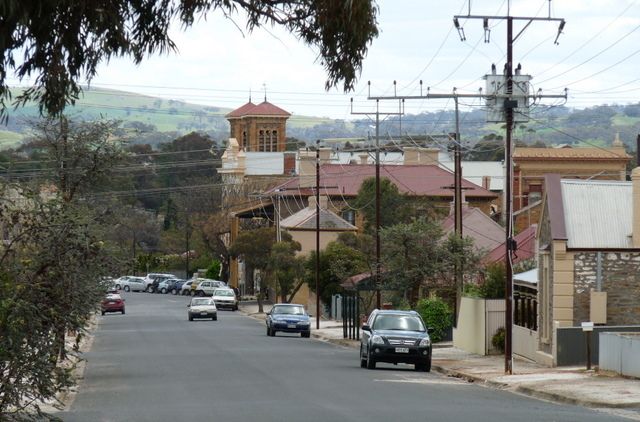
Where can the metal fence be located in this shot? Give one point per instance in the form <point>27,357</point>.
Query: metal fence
<point>572,345</point>
<point>620,353</point>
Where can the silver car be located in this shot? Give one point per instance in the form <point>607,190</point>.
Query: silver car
<point>202,307</point>
<point>133,284</point>
<point>225,298</point>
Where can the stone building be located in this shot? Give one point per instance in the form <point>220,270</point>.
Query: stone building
<point>589,256</point>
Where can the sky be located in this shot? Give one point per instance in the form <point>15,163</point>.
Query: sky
<point>220,64</point>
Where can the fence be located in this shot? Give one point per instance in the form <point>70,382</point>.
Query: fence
<point>571,343</point>
<point>620,353</point>
<point>478,321</point>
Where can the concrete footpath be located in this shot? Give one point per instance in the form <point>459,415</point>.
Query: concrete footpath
<point>573,385</point>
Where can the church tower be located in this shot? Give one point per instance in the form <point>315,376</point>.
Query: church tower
<point>259,127</point>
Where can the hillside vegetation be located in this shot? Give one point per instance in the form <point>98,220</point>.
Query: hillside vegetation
<point>153,120</point>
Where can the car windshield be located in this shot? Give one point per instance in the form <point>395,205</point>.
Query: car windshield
<point>398,322</point>
<point>200,302</point>
<point>288,310</point>
<point>223,293</point>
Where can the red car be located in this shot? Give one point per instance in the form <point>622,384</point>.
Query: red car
<point>112,303</point>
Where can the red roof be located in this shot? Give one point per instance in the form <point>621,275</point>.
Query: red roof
<point>413,180</point>
<point>526,241</point>
<point>265,108</point>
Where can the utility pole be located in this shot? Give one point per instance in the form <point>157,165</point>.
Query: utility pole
<point>317,234</point>
<point>510,104</point>
<point>377,120</point>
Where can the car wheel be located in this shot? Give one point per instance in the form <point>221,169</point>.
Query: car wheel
<point>163,291</point>
<point>174,292</point>
<point>192,293</point>
<point>118,287</point>
<point>268,332</point>
<point>190,318</point>
<point>103,312</point>
<point>305,334</point>
<point>363,361</point>
<point>127,288</point>
<point>201,293</point>
<point>273,333</point>
<point>215,318</point>
<point>149,289</point>
<point>123,312</point>
<point>235,308</point>
<point>371,362</point>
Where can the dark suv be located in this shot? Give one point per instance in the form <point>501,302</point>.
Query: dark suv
<point>395,337</point>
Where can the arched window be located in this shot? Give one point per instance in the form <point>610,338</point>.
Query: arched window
<point>261,140</point>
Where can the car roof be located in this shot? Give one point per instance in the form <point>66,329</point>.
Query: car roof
<point>395,312</point>
<point>288,304</point>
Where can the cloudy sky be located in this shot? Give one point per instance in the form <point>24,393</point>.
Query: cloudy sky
<point>597,58</point>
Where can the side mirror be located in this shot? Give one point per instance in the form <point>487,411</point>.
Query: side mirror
<point>366,327</point>
<point>268,312</point>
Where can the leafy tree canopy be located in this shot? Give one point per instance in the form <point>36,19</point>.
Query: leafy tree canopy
<point>392,203</point>
<point>59,43</point>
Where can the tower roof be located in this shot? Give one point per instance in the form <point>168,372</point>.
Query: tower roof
<point>265,108</point>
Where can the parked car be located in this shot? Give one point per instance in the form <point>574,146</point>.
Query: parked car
<point>165,285</point>
<point>201,307</point>
<point>225,298</point>
<point>154,287</point>
<point>288,318</point>
<point>133,284</point>
<point>120,281</point>
<point>112,302</point>
<point>186,288</point>
<point>151,276</point>
<point>205,287</point>
<point>177,286</point>
<point>395,337</point>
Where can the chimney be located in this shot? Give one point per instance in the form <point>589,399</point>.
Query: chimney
<point>420,156</point>
<point>364,158</point>
<point>307,165</point>
<point>635,215</point>
<point>486,182</point>
<point>289,164</point>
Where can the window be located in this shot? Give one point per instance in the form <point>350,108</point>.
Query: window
<point>350,216</point>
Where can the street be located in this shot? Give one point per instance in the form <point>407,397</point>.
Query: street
<point>152,364</point>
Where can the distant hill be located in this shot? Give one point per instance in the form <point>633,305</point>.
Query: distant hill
<point>159,120</point>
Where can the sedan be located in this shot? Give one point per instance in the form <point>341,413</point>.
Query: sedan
<point>112,303</point>
<point>202,308</point>
<point>288,318</point>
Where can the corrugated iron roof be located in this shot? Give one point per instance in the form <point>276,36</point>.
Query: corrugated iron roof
<point>567,153</point>
<point>414,180</point>
<point>597,214</point>
<point>305,219</point>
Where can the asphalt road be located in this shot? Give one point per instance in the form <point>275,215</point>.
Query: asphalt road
<point>152,364</point>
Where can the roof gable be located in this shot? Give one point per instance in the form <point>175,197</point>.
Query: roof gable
<point>486,233</point>
<point>305,219</point>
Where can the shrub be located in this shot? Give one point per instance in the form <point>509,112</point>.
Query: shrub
<point>437,314</point>
<point>494,285</point>
<point>498,339</point>
<point>213,271</point>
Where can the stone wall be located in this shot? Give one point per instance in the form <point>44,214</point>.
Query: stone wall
<point>620,279</point>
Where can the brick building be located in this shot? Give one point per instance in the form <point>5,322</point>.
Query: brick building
<point>259,127</point>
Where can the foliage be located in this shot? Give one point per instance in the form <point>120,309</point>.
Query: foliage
<point>411,254</point>
<point>437,314</point>
<point>495,280</point>
<point>337,262</point>
<point>286,269</point>
<point>51,269</point>
<point>391,201</point>
<point>58,44</point>
<point>213,271</point>
<point>498,339</point>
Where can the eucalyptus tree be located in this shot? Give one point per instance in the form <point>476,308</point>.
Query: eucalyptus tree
<point>60,43</point>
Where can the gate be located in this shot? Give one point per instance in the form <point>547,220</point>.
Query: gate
<point>351,315</point>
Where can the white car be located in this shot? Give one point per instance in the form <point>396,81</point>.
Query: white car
<point>225,298</point>
<point>202,307</point>
<point>133,284</point>
<point>186,288</point>
<point>206,287</point>
<point>148,280</point>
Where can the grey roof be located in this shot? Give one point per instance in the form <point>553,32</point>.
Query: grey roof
<point>597,214</point>
<point>305,219</point>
